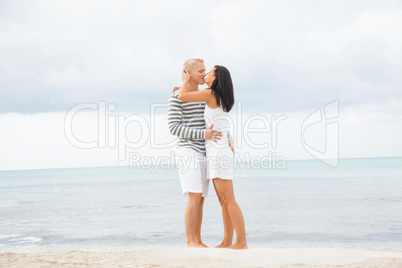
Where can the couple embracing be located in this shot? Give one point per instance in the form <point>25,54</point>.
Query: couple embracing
<point>205,153</point>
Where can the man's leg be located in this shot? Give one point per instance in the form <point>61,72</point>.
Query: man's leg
<point>201,164</point>
<point>190,219</point>
<point>199,222</point>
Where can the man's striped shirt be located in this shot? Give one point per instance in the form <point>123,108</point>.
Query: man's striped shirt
<point>186,120</point>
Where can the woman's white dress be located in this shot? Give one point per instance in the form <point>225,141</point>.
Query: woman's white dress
<point>220,158</point>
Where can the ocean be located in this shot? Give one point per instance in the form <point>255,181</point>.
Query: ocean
<point>307,204</point>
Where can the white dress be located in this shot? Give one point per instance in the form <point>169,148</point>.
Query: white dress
<point>220,158</point>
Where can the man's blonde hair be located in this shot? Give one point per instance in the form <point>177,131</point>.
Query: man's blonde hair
<point>190,63</point>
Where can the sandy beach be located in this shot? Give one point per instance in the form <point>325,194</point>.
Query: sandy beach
<point>268,257</point>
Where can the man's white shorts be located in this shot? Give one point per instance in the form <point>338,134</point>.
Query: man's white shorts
<point>192,171</point>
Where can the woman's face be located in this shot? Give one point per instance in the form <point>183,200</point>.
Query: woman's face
<point>210,77</point>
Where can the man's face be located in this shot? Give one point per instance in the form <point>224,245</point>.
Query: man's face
<point>198,73</point>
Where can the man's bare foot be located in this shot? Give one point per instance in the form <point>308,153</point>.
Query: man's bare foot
<point>224,245</point>
<point>239,246</point>
<point>193,245</point>
<point>202,244</point>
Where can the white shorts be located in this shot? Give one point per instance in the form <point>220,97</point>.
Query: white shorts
<point>192,171</point>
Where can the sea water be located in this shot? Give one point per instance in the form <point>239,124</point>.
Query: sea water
<point>305,204</point>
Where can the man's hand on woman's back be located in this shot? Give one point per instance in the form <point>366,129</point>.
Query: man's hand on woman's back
<point>211,134</point>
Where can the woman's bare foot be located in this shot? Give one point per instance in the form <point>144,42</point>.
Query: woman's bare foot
<point>224,245</point>
<point>239,246</point>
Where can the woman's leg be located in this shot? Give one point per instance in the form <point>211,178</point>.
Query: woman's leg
<point>225,190</point>
<point>190,219</point>
<point>199,222</point>
<point>228,228</point>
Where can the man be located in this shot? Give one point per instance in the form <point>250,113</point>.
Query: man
<point>186,120</point>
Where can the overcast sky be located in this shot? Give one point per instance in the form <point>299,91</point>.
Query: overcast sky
<point>285,57</point>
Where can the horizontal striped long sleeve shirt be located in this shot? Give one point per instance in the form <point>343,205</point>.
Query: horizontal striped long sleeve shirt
<point>186,120</point>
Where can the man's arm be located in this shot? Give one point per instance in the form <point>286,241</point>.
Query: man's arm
<point>230,141</point>
<point>229,136</point>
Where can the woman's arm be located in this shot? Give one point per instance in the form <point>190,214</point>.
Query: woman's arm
<point>192,96</point>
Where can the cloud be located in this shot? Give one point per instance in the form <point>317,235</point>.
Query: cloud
<point>292,55</point>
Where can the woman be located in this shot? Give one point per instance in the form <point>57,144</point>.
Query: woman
<point>219,100</point>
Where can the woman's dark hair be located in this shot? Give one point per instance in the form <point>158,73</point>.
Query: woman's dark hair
<point>222,88</point>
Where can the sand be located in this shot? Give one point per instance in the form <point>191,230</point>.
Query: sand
<point>268,257</point>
